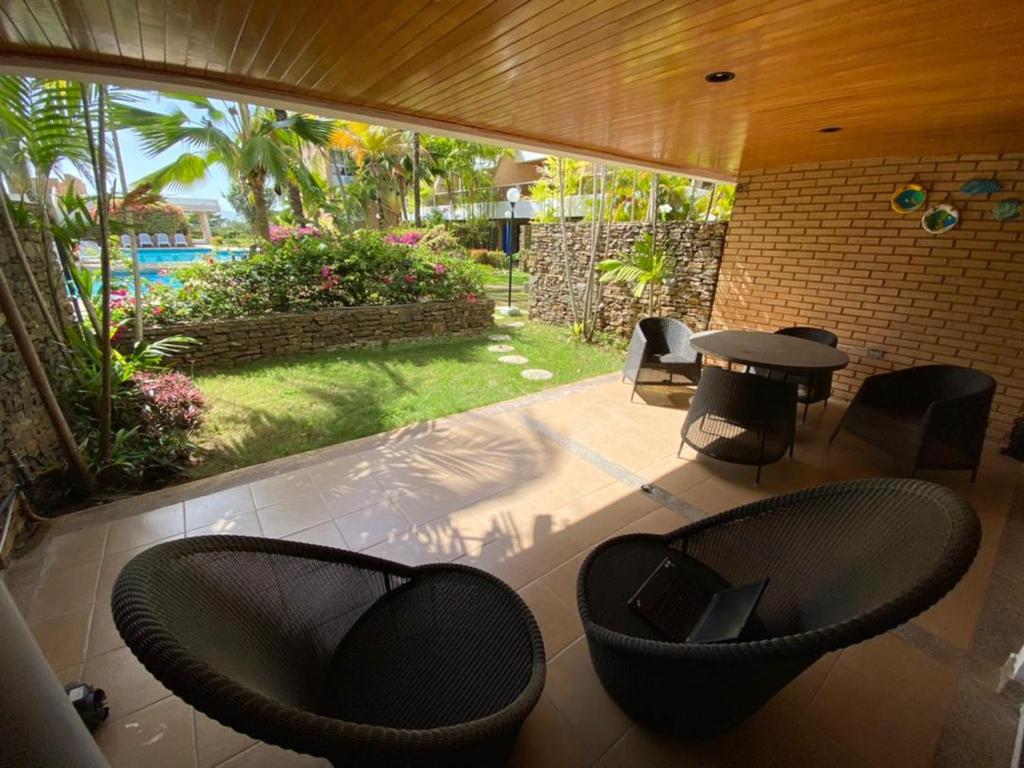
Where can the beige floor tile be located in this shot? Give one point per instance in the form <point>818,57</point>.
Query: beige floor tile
<point>62,640</point>
<point>267,756</point>
<point>216,743</point>
<point>754,742</point>
<point>549,741</point>
<point>810,747</point>
<point>70,674</point>
<point>76,548</point>
<point>325,534</point>
<point>408,548</point>
<point>128,685</point>
<point>209,510</point>
<point>559,623</point>
<point>434,500</point>
<point>372,525</point>
<point>160,735</point>
<point>345,471</point>
<point>64,591</point>
<point>243,525</point>
<point>274,490</point>
<point>802,690</point>
<point>575,691</point>
<point>660,520</point>
<point>562,580</point>
<point>296,514</point>
<point>147,528</point>
<point>348,498</point>
<point>885,700</point>
<point>103,635</point>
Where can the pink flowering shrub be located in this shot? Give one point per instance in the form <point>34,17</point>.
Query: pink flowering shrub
<point>170,401</point>
<point>280,234</point>
<point>410,238</point>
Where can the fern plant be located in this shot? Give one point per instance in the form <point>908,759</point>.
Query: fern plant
<point>646,268</point>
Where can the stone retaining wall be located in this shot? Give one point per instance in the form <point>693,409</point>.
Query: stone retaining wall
<point>697,249</point>
<point>24,425</point>
<point>227,343</point>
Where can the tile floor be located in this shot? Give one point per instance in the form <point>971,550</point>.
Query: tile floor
<point>523,489</point>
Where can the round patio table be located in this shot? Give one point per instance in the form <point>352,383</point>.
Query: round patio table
<point>770,350</point>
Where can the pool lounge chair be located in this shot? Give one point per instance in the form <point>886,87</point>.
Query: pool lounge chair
<point>162,240</point>
<point>180,241</point>
<point>126,241</point>
<point>145,241</point>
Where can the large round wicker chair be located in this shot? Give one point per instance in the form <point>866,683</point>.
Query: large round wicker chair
<point>660,346</point>
<point>332,653</point>
<point>844,562</point>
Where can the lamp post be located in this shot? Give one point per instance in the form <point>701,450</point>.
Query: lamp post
<point>512,195</point>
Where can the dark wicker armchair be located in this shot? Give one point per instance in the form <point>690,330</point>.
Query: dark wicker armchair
<point>741,419</point>
<point>815,387</point>
<point>660,346</point>
<point>844,563</point>
<point>929,417</point>
<point>332,653</point>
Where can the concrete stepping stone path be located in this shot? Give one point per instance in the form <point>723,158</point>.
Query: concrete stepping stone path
<point>499,337</point>
<point>500,348</point>
<point>515,324</point>
<point>536,374</point>
<point>513,360</point>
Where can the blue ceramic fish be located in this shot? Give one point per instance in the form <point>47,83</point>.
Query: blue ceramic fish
<point>1006,210</point>
<point>981,187</point>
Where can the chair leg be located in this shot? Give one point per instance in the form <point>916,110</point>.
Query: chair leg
<point>632,392</point>
<point>806,406</point>
<point>679,453</point>
<point>974,473</point>
<point>792,447</point>
<point>757,477</point>
<point>838,427</point>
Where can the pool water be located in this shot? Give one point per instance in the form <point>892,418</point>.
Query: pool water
<point>184,255</point>
<point>159,276</point>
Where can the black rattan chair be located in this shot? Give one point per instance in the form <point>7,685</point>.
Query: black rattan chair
<point>811,388</point>
<point>929,417</point>
<point>844,563</point>
<point>741,419</point>
<point>333,653</point>
<point>660,346</point>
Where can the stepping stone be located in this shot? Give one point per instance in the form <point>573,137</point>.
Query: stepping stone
<point>513,360</point>
<point>536,374</point>
<point>515,324</point>
<point>499,337</point>
<point>500,348</point>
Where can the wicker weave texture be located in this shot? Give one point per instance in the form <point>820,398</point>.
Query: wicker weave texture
<point>845,562</point>
<point>333,653</point>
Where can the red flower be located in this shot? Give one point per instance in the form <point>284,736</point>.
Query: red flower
<point>471,298</point>
<point>387,281</point>
<point>410,279</point>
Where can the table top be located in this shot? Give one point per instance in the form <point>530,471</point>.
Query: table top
<point>770,350</point>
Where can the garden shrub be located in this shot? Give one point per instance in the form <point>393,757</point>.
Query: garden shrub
<point>440,240</point>
<point>305,270</point>
<point>496,259</point>
<point>152,218</point>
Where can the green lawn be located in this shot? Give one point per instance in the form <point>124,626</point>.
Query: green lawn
<point>276,408</point>
<point>497,287</point>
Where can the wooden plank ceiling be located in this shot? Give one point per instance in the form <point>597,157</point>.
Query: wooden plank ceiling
<point>622,79</point>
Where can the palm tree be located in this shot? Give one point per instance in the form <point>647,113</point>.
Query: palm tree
<point>251,143</point>
<point>379,154</point>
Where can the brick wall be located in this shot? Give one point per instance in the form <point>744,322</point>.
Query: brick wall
<point>819,245</point>
<point>226,343</point>
<point>697,249</point>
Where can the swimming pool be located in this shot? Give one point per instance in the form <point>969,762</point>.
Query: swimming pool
<point>159,276</point>
<point>185,255</point>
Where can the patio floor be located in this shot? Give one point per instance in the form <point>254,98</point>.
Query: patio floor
<point>523,489</point>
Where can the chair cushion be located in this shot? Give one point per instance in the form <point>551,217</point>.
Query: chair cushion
<point>674,358</point>
<point>443,649</point>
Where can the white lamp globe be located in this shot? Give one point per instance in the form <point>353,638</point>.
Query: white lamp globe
<point>513,195</point>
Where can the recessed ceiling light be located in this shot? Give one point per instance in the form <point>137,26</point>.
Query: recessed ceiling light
<point>719,77</point>
<point>831,129</point>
